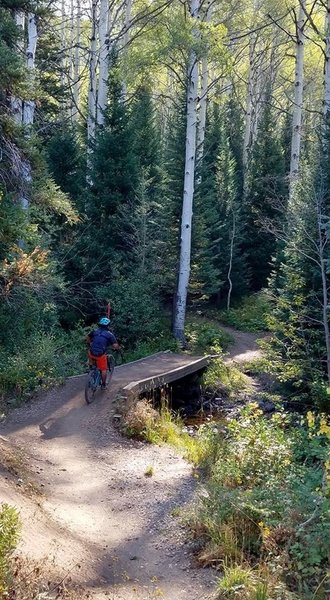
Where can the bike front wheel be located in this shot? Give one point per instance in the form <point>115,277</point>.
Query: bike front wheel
<point>91,386</point>
<point>111,368</point>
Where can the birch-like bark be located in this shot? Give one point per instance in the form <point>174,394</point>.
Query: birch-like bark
<point>254,98</point>
<point>16,104</point>
<point>322,244</point>
<point>29,105</point>
<point>76,67</point>
<point>189,180</point>
<point>326,97</point>
<point>204,82</point>
<point>63,48</point>
<point>92,92</point>
<point>104,61</point>
<point>298,98</point>
<point>126,36</point>
<point>230,267</point>
<point>71,56</point>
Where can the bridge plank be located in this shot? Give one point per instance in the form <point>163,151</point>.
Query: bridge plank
<point>161,369</point>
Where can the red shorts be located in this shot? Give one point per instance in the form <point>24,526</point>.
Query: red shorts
<point>101,361</point>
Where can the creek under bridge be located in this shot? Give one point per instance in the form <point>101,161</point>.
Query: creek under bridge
<point>177,377</point>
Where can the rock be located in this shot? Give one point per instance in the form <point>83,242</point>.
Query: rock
<point>267,406</point>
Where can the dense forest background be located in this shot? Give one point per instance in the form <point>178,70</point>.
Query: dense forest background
<point>160,156</point>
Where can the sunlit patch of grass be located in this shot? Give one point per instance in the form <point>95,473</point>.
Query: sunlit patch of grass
<point>235,579</point>
<point>250,314</point>
<point>206,337</point>
<point>226,377</point>
<point>149,471</point>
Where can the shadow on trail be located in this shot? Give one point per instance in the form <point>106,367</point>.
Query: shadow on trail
<point>61,426</point>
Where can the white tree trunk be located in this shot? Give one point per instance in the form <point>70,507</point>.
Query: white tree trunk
<point>127,24</point>
<point>63,48</point>
<point>253,100</point>
<point>326,99</point>
<point>104,61</point>
<point>204,77</point>
<point>29,105</point>
<point>188,193</point>
<point>298,98</point>
<point>16,104</point>
<point>92,92</point>
<point>76,68</point>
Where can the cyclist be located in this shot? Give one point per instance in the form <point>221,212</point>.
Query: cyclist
<point>99,341</point>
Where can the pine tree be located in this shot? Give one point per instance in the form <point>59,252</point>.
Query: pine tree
<point>218,230</point>
<point>112,198</point>
<point>265,200</point>
<point>64,157</point>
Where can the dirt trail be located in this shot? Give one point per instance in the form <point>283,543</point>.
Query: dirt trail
<point>99,510</point>
<point>245,346</point>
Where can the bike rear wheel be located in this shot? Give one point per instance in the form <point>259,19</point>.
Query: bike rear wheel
<point>91,386</point>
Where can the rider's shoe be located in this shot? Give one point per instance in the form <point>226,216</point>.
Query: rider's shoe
<point>103,386</point>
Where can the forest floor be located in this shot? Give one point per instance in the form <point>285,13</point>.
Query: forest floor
<point>86,505</point>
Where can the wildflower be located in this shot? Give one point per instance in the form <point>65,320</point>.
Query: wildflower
<point>310,419</point>
<point>324,427</point>
<point>264,530</point>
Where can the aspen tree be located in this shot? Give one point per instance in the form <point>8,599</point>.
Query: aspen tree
<point>92,92</point>
<point>189,181</point>
<point>29,105</point>
<point>103,61</point>
<point>16,103</point>
<point>326,96</point>
<point>298,97</point>
<point>203,95</point>
<point>76,67</point>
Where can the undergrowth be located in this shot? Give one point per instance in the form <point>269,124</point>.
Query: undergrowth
<point>263,519</point>
<point>44,361</point>
<point>223,377</point>
<point>206,337</point>
<point>250,314</point>
<point>267,507</point>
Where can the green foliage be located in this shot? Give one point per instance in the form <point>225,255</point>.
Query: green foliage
<point>9,536</point>
<point>234,580</point>
<point>296,352</point>
<point>160,427</point>
<point>251,314</point>
<point>203,336</point>
<point>219,375</point>
<point>11,66</point>
<point>136,310</point>
<point>41,360</point>
<point>264,484</point>
<point>265,199</point>
<point>68,174</point>
<point>218,226</point>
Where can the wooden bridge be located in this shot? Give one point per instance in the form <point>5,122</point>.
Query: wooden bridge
<point>155,372</point>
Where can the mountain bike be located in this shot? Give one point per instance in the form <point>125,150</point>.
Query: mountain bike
<point>94,380</point>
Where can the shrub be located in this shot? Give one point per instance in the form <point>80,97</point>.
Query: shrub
<point>224,377</point>
<point>235,580</point>
<point>203,336</point>
<point>266,497</point>
<point>137,315</point>
<point>42,360</point>
<point>250,314</point>
<point>9,536</point>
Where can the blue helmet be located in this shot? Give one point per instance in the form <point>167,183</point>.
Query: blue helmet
<point>104,321</point>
